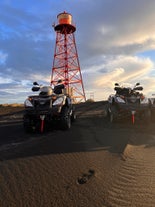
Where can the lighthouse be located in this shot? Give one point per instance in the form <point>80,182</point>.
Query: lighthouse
<point>66,64</point>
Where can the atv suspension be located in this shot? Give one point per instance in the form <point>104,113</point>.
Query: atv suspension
<point>42,117</point>
<point>133,116</point>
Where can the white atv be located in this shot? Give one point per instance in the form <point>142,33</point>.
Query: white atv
<point>47,109</point>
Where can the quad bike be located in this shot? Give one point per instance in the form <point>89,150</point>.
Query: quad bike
<point>47,110</point>
<point>153,108</point>
<point>128,102</point>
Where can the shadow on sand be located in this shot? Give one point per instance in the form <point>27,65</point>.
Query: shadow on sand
<point>85,135</point>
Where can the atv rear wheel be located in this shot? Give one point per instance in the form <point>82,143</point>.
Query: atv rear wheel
<point>65,119</point>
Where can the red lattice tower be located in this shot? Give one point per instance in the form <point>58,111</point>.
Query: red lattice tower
<point>66,62</point>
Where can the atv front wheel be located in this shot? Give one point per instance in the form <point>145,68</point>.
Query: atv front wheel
<point>73,116</point>
<point>65,119</point>
<point>112,113</point>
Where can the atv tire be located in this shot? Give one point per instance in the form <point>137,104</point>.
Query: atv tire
<point>65,119</point>
<point>27,125</point>
<point>112,111</point>
<point>147,116</point>
<point>73,116</point>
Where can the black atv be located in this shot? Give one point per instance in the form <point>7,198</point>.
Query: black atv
<point>47,110</point>
<point>129,102</point>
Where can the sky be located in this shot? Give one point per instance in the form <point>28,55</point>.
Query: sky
<point>115,42</point>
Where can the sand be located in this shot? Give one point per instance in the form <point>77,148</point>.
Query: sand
<point>94,164</point>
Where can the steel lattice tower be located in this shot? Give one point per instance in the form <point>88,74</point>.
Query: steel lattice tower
<point>66,62</point>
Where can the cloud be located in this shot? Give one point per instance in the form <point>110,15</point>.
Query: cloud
<point>131,69</point>
<point>5,80</point>
<point>121,69</point>
<point>111,28</point>
<point>3,57</point>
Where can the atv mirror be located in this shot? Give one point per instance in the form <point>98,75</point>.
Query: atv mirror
<point>137,84</point>
<point>35,84</point>
<point>140,88</point>
<point>117,88</point>
<point>35,88</point>
<point>116,84</point>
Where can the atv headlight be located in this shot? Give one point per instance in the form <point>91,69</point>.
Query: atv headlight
<point>120,100</point>
<point>28,103</point>
<point>58,101</point>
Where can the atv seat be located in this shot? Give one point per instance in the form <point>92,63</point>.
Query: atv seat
<point>58,89</point>
<point>124,91</point>
<point>46,91</point>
